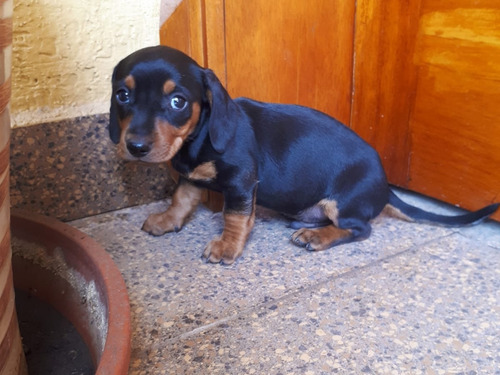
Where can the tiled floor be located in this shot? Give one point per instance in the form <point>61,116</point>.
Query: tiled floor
<point>411,299</point>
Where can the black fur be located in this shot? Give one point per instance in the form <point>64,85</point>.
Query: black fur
<point>293,157</point>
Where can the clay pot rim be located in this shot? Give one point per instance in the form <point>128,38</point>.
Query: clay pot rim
<point>115,357</point>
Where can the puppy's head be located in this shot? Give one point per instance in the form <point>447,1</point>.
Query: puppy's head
<point>160,97</point>
<point>156,103</point>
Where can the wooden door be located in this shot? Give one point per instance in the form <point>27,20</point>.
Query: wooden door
<point>455,122</point>
<point>418,79</point>
<point>298,52</point>
<point>427,95</point>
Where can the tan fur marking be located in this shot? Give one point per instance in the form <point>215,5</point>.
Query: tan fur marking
<point>229,246</point>
<point>168,139</point>
<point>130,82</point>
<point>168,87</point>
<point>184,201</point>
<point>231,243</point>
<point>122,149</point>
<point>320,238</point>
<point>330,209</point>
<point>394,212</point>
<point>205,172</point>
<point>237,228</point>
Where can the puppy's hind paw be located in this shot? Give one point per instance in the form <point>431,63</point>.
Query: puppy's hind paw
<point>321,238</point>
<point>305,238</point>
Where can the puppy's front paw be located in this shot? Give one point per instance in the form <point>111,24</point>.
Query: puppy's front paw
<point>158,224</point>
<point>219,250</point>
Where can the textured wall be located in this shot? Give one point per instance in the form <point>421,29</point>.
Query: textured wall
<point>69,169</point>
<point>167,7</point>
<point>64,52</point>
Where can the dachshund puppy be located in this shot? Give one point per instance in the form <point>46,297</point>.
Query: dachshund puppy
<point>291,159</point>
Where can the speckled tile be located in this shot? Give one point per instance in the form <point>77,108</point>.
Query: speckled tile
<point>69,169</point>
<point>281,309</point>
<point>432,310</point>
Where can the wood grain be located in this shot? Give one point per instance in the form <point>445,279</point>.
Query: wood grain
<point>291,52</point>
<point>215,46</point>
<point>417,79</point>
<point>384,79</point>
<point>184,30</point>
<point>454,129</point>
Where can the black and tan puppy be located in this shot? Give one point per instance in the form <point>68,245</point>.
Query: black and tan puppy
<point>289,158</point>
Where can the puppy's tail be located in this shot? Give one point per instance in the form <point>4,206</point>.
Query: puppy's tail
<point>412,213</point>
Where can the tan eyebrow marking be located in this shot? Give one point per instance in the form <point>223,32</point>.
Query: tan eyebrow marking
<point>130,82</point>
<point>168,86</point>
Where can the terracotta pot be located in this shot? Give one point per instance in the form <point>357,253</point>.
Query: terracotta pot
<point>11,354</point>
<point>67,269</point>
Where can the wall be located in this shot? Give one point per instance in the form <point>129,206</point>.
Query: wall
<point>64,52</point>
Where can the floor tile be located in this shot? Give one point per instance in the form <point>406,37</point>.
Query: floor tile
<point>281,309</point>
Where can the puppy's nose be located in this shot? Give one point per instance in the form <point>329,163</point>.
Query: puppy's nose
<point>138,149</point>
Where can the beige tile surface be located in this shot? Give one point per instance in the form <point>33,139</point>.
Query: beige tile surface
<point>411,299</point>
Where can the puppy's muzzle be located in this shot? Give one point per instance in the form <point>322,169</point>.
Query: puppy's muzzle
<point>139,149</point>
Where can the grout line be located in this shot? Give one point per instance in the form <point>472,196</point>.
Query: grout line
<point>204,328</point>
<point>310,288</point>
<point>474,239</point>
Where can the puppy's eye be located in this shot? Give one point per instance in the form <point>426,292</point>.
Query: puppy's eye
<point>178,103</point>
<point>123,96</point>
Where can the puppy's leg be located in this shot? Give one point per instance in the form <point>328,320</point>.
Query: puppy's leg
<point>237,227</point>
<point>343,230</point>
<point>321,238</point>
<point>184,201</point>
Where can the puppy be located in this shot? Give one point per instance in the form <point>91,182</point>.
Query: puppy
<point>291,159</point>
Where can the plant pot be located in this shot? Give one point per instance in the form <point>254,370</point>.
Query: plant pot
<point>70,271</point>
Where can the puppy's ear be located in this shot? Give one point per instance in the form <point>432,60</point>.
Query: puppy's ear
<point>114,126</point>
<point>224,112</point>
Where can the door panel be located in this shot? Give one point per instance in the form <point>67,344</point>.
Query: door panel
<point>384,80</point>
<point>286,51</point>
<point>417,79</point>
<point>455,128</point>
